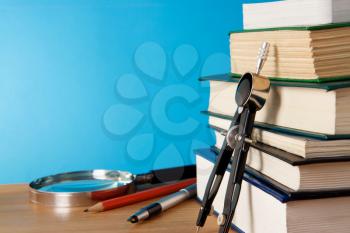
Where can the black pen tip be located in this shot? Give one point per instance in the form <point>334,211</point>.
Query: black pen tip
<point>133,219</point>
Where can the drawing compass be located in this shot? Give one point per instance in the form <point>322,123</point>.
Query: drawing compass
<point>251,94</point>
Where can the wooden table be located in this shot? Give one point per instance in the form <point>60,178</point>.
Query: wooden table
<point>18,215</point>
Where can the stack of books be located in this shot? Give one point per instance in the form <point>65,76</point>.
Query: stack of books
<point>297,175</point>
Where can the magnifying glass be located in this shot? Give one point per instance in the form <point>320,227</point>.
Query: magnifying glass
<point>84,188</point>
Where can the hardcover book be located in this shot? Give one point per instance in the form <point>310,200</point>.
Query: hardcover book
<point>298,174</point>
<point>310,54</point>
<point>316,109</point>
<point>295,13</point>
<point>265,206</point>
<point>306,147</point>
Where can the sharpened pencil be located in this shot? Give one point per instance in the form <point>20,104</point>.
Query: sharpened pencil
<point>140,196</point>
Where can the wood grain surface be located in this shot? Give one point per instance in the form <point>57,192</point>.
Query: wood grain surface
<point>18,215</point>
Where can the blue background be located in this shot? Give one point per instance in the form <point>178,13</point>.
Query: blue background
<point>59,64</point>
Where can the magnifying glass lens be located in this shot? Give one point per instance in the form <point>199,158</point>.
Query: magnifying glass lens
<point>82,186</point>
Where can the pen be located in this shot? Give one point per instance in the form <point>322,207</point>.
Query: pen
<point>163,204</point>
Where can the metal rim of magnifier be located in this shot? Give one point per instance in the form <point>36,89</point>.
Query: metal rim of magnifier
<point>259,88</point>
<point>74,199</point>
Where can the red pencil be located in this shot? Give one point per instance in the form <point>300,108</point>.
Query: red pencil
<point>139,196</point>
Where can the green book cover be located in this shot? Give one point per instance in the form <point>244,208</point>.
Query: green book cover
<point>328,86</point>
<point>315,80</point>
<point>299,28</point>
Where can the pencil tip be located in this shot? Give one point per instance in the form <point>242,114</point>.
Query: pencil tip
<point>198,228</point>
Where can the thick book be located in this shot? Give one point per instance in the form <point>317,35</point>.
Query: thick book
<point>310,54</point>
<point>295,13</point>
<point>321,109</point>
<point>298,174</point>
<point>266,206</point>
<point>302,146</point>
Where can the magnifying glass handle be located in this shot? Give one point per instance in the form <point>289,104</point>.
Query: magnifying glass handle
<point>216,177</point>
<point>237,169</point>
